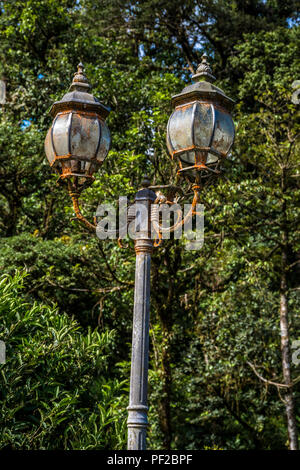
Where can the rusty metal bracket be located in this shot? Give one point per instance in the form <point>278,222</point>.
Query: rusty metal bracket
<point>74,194</point>
<point>159,230</point>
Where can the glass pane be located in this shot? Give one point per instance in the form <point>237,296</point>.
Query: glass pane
<point>203,124</point>
<point>211,158</point>
<point>104,143</point>
<point>61,134</point>
<point>180,127</point>
<point>91,169</point>
<point>49,148</point>
<point>224,132</point>
<point>187,159</point>
<point>86,168</point>
<point>85,135</point>
<point>75,166</point>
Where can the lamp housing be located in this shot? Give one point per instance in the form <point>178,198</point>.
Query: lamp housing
<point>200,131</point>
<point>78,140</point>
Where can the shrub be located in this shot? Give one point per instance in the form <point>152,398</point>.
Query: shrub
<point>55,391</point>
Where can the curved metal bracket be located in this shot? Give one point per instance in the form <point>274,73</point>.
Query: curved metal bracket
<point>159,230</point>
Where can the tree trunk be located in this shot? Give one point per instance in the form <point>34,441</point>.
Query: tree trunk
<point>284,330</point>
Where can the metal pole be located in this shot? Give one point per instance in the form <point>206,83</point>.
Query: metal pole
<point>137,410</point>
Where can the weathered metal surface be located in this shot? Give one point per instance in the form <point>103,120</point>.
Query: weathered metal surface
<point>137,410</point>
<point>200,131</point>
<point>79,139</point>
<point>78,97</point>
<point>203,89</point>
<point>204,70</point>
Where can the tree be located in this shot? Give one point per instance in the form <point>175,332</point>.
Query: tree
<point>221,315</point>
<point>273,142</point>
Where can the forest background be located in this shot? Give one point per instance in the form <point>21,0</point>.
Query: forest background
<point>216,378</point>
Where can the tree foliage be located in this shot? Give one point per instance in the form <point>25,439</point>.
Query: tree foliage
<point>56,391</point>
<point>215,321</point>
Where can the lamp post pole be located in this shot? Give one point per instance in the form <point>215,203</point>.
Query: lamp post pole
<point>137,410</point>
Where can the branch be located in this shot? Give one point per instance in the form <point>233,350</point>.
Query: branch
<point>126,283</point>
<point>270,382</point>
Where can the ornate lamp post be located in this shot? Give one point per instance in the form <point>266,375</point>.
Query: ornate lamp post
<point>200,134</point>
<point>137,410</point>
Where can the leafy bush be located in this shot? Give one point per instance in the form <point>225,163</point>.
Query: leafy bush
<point>55,393</point>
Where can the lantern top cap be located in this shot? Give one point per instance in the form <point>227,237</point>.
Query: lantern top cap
<point>80,81</point>
<point>203,89</point>
<point>79,98</point>
<point>145,193</point>
<point>204,71</point>
<point>146,181</point>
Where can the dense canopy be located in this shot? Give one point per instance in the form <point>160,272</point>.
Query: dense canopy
<point>217,314</point>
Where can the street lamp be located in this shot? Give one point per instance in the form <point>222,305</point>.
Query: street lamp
<point>78,140</point>
<point>200,131</point>
<point>200,134</point>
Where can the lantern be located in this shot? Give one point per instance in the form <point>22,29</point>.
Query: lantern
<point>200,131</point>
<point>79,139</point>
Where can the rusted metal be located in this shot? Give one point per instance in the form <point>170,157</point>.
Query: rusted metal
<point>78,140</point>
<point>176,153</point>
<point>137,410</point>
<point>145,197</point>
<point>74,195</point>
<point>159,230</point>
<point>79,97</point>
<point>203,89</point>
<point>200,131</point>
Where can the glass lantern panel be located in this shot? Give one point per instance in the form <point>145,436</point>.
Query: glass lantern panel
<point>223,133</point>
<point>211,159</point>
<point>49,148</point>
<point>75,166</point>
<point>180,127</point>
<point>87,168</point>
<point>61,128</point>
<point>203,124</point>
<point>92,168</point>
<point>104,142</point>
<point>85,136</point>
<point>84,167</point>
<point>187,159</point>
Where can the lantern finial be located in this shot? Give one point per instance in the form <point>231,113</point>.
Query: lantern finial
<point>80,82</point>
<point>204,71</point>
<point>146,182</point>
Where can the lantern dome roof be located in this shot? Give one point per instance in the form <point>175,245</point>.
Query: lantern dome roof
<point>203,89</point>
<point>79,98</point>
